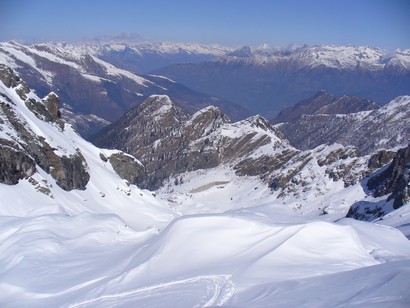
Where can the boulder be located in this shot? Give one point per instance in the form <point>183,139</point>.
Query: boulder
<point>127,167</point>
<point>52,103</point>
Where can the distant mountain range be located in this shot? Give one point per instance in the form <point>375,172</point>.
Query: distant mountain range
<point>99,81</point>
<point>267,80</point>
<point>146,57</point>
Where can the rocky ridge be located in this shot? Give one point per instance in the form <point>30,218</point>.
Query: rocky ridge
<point>371,131</point>
<point>325,103</point>
<point>169,143</point>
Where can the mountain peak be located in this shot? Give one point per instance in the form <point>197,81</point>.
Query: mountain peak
<point>259,121</point>
<point>242,52</point>
<point>307,106</point>
<point>165,99</point>
<point>157,106</point>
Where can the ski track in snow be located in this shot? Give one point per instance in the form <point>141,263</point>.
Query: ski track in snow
<point>218,289</point>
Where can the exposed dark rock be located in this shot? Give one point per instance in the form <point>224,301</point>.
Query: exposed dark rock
<point>11,80</point>
<point>343,170</point>
<point>264,165</point>
<point>52,103</point>
<point>127,167</point>
<point>401,192</point>
<point>103,157</point>
<point>39,109</point>
<point>308,106</point>
<point>394,179</point>
<point>14,165</point>
<point>380,159</point>
<point>282,179</point>
<point>366,211</point>
<point>69,172</point>
<point>339,154</point>
<point>8,77</point>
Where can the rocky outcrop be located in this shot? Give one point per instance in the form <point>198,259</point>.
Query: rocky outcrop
<point>52,103</point>
<point>126,166</point>
<point>391,180</point>
<point>11,80</point>
<point>22,149</point>
<point>394,180</point>
<point>14,165</point>
<point>380,159</point>
<point>70,172</point>
<point>8,77</point>
<point>401,193</point>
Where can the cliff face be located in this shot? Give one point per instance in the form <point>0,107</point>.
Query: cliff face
<point>394,180</point>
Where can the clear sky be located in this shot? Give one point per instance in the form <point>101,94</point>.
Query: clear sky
<point>379,23</point>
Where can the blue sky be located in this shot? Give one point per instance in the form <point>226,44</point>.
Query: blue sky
<point>380,23</point>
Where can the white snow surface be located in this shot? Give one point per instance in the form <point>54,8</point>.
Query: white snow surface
<point>217,239</point>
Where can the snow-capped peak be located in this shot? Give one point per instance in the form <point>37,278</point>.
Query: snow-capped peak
<point>333,56</point>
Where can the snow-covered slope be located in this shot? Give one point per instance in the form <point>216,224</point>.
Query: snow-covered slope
<point>108,243</point>
<point>46,143</point>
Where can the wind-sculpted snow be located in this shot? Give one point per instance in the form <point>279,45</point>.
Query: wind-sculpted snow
<point>200,260</point>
